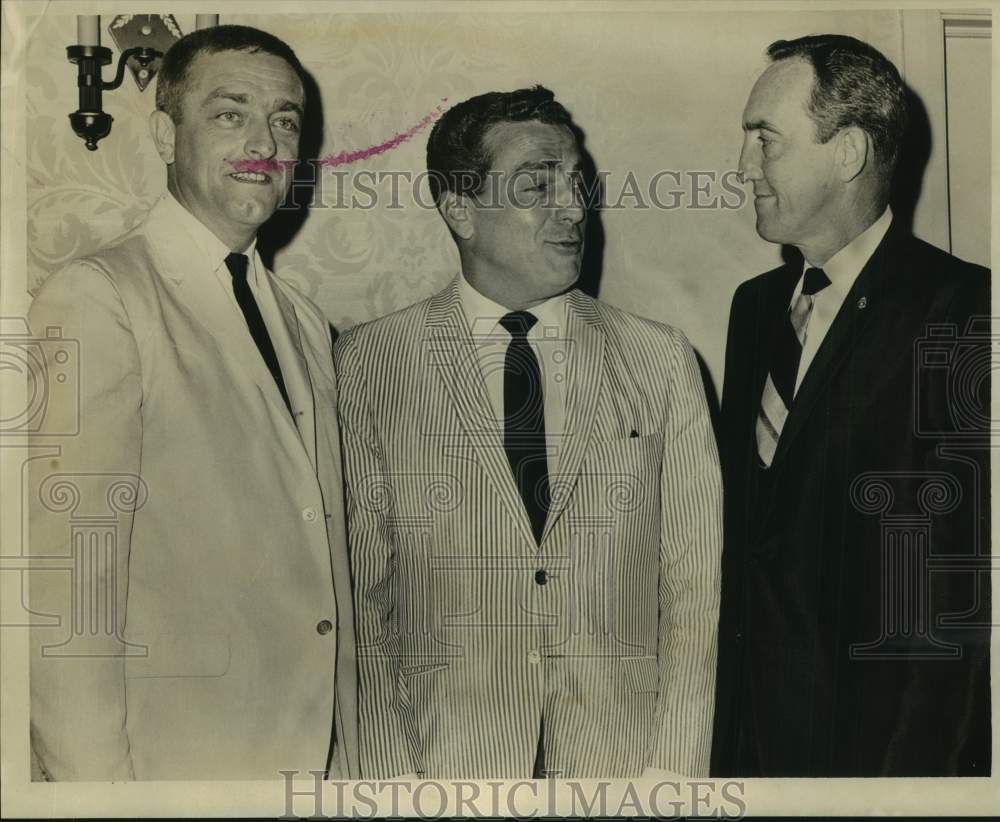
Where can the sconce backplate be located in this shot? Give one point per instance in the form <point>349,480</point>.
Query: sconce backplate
<point>158,31</point>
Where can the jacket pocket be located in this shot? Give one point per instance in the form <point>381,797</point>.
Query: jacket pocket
<point>411,677</point>
<point>641,674</point>
<point>414,686</point>
<point>170,655</point>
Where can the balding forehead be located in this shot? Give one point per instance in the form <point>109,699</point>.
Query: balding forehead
<point>211,70</point>
<point>783,83</point>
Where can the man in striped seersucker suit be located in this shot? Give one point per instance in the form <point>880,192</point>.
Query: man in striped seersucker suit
<point>534,493</point>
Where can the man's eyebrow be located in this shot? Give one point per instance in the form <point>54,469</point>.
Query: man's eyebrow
<point>756,125</point>
<point>289,105</point>
<point>544,165</point>
<point>244,99</point>
<point>222,94</point>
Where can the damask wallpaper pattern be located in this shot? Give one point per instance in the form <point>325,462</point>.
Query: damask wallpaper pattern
<point>653,92</point>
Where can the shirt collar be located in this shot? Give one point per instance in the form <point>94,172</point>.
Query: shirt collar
<point>483,314</point>
<point>844,267</point>
<point>204,246</point>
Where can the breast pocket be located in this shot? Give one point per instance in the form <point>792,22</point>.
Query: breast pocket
<point>621,476</point>
<point>625,449</point>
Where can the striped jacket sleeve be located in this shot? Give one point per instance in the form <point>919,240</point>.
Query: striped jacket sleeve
<point>384,748</point>
<point>690,553</point>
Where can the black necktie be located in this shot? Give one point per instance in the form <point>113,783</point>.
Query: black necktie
<point>237,265</point>
<point>524,420</point>
<point>779,388</point>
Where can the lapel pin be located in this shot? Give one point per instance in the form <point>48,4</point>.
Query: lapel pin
<point>863,302</point>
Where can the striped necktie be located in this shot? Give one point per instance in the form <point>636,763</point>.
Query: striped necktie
<point>779,389</point>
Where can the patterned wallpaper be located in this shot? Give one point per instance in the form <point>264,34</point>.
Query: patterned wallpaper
<point>652,91</point>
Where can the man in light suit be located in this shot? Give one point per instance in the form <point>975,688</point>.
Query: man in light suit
<point>210,635</point>
<point>854,631</point>
<point>533,492</point>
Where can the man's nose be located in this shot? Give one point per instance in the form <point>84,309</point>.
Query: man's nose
<point>261,144</point>
<point>569,199</point>
<point>749,167</point>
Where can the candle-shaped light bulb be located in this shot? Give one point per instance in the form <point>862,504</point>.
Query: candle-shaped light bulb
<point>88,29</point>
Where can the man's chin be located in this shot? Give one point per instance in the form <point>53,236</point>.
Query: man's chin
<point>564,266</point>
<point>767,231</point>
<point>563,280</point>
<point>253,211</point>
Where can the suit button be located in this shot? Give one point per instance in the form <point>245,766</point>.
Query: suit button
<point>534,657</point>
<point>541,576</point>
<point>324,627</point>
<point>309,514</point>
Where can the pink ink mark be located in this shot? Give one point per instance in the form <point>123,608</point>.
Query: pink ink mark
<point>344,157</point>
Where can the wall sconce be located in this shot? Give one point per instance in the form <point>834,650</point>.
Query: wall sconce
<point>142,39</point>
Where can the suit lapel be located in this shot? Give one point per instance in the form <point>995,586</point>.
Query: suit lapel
<point>452,355</point>
<point>205,299</point>
<point>856,316</point>
<point>303,400</point>
<point>586,367</point>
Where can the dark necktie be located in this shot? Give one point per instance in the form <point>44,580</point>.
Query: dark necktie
<point>237,265</point>
<point>524,420</point>
<point>779,389</point>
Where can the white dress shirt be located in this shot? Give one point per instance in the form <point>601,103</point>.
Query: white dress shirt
<point>842,269</point>
<point>547,339</point>
<point>207,253</point>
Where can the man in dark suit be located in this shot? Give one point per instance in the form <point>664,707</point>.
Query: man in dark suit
<point>855,598</point>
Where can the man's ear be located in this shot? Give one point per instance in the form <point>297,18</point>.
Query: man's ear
<point>164,132</point>
<point>854,152</point>
<point>458,213</point>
